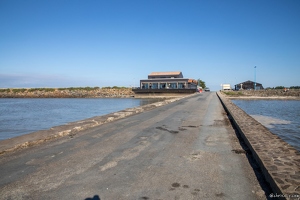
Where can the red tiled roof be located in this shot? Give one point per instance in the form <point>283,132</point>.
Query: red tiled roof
<point>164,73</point>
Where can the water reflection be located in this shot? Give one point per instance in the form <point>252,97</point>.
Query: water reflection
<point>281,117</point>
<point>21,116</point>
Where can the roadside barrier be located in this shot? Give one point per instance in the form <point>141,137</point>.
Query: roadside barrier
<point>279,161</point>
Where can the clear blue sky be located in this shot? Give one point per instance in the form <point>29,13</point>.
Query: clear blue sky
<point>70,43</point>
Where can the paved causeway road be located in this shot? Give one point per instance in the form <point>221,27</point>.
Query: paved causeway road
<point>182,150</point>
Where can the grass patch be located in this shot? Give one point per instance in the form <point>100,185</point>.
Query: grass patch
<point>22,90</point>
<point>115,87</point>
<point>41,89</point>
<point>80,88</point>
<point>18,90</point>
<point>4,90</point>
<point>233,93</point>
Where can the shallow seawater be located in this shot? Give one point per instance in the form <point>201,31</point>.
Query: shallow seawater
<point>281,117</point>
<point>22,116</point>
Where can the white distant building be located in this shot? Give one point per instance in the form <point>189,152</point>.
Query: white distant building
<point>225,87</point>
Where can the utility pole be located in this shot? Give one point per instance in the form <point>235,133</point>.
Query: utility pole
<point>255,78</point>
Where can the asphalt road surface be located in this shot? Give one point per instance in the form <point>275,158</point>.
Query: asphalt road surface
<point>183,150</point>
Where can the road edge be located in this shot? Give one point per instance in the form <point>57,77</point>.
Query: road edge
<point>70,129</point>
<point>279,161</point>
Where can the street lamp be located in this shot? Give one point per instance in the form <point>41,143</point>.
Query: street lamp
<point>255,78</point>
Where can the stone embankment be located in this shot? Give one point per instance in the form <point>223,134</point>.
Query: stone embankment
<point>67,93</point>
<point>280,162</point>
<point>73,128</point>
<point>280,94</point>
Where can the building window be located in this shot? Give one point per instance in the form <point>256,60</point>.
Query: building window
<point>145,86</point>
<point>162,86</point>
<point>173,85</point>
<point>154,85</point>
<point>181,85</point>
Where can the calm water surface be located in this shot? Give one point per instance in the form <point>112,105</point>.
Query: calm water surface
<point>281,117</point>
<point>21,116</point>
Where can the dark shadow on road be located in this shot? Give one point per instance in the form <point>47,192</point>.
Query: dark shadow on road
<point>96,197</point>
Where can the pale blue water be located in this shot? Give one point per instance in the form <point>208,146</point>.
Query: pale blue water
<point>281,117</point>
<point>22,116</point>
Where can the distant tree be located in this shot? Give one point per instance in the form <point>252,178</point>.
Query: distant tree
<point>279,87</point>
<point>295,87</point>
<point>201,83</point>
